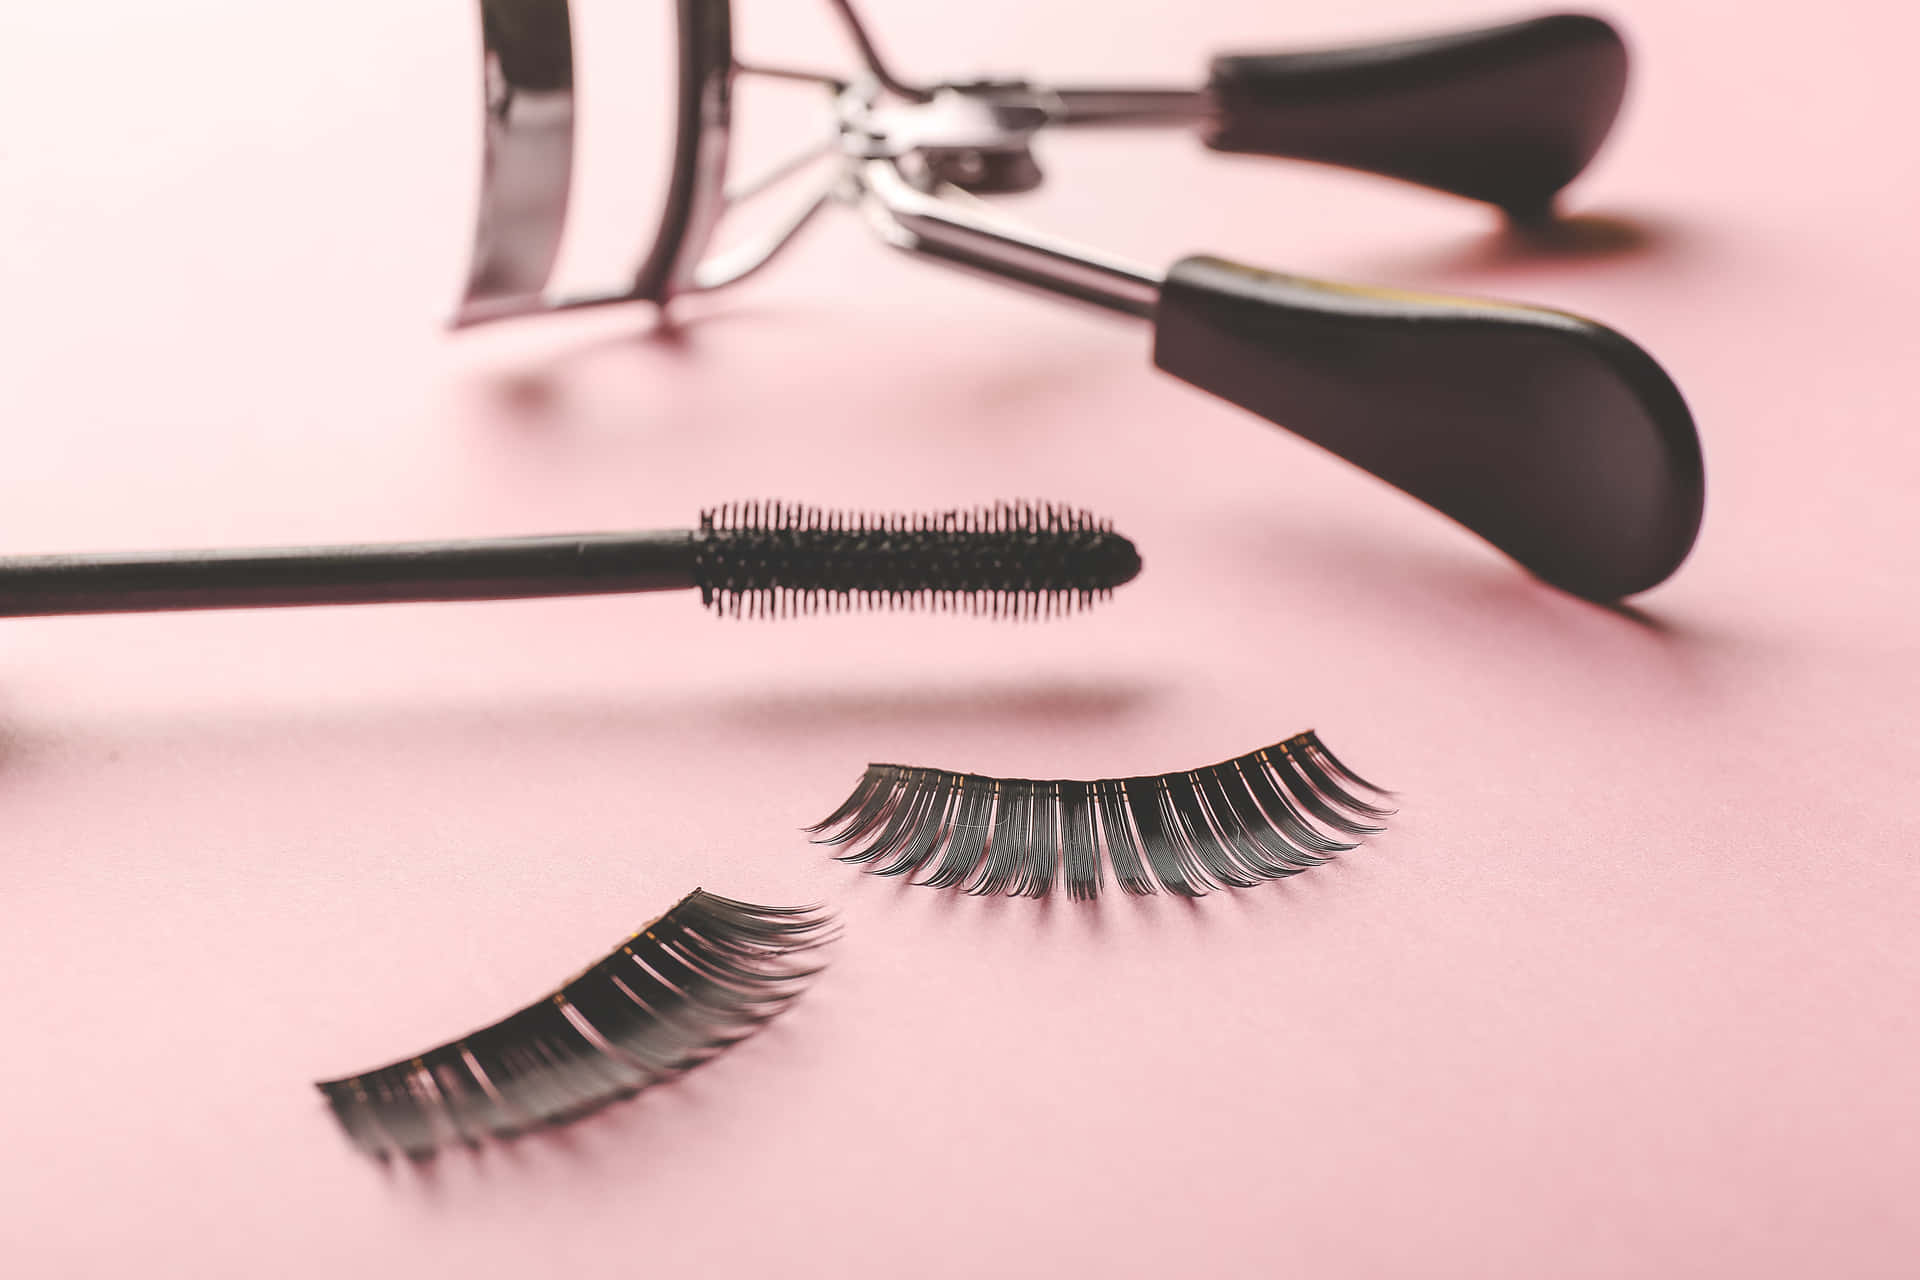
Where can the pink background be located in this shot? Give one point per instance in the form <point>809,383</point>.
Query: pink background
<point>1628,990</point>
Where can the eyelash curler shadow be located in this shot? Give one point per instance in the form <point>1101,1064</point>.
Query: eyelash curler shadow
<point>1553,437</point>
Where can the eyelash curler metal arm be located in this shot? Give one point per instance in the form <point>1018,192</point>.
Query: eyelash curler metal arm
<point>1550,435</point>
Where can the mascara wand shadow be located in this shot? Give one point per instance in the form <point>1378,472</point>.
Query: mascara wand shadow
<point>1013,705</point>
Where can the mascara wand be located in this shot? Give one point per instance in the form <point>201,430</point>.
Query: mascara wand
<point>755,559</point>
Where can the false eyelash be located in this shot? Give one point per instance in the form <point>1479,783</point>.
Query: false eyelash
<point>702,977</point>
<point>1254,818</point>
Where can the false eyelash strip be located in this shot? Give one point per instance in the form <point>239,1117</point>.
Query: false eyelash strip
<point>704,976</point>
<point>1262,816</point>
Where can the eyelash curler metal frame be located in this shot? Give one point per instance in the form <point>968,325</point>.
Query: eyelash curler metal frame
<point>1553,437</point>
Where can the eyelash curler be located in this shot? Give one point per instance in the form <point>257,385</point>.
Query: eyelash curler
<point>1553,437</point>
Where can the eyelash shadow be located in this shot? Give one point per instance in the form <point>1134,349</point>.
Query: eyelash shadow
<point>1254,818</point>
<point>702,977</point>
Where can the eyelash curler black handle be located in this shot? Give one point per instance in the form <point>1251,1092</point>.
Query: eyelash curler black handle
<point>1553,437</point>
<point>1506,114</point>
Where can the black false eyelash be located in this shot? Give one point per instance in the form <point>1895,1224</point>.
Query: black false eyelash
<point>1254,818</point>
<point>702,977</point>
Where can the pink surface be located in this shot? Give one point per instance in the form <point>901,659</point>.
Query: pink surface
<point>1628,990</point>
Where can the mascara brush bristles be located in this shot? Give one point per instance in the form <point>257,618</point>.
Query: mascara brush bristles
<point>1254,818</point>
<point>1016,560</point>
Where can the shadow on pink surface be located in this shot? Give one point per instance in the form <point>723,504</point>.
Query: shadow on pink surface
<point>1375,574</point>
<point>1519,248</point>
<point>611,1142</point>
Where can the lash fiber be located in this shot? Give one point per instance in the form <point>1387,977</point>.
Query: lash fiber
<point>1079,847</point>
<point>1300,785</point>
<point>1265,815</point>
<point>1340,770</point>
<point>1123,843</point>
<point>936,821</point>
<point>703,976</point>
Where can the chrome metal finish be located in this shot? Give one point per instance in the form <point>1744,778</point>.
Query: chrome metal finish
<point>836,83</point>
<point>952,114</point>
<point>964,236</point>
<point>527,158</point>
<point>951,118</point>
<point>977,138</point>
<point>910,156</point>
<point>697,195</point>
<point>870,54</point>
<point>736,264</point>
<point>739,261</point>
<point>778,173</point>
<point>1133,107</point>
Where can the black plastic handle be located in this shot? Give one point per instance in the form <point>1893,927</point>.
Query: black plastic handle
<point>1507,114</point>
<point>1553,437</point>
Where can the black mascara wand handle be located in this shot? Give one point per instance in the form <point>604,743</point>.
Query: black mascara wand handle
<point>381,573</point>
